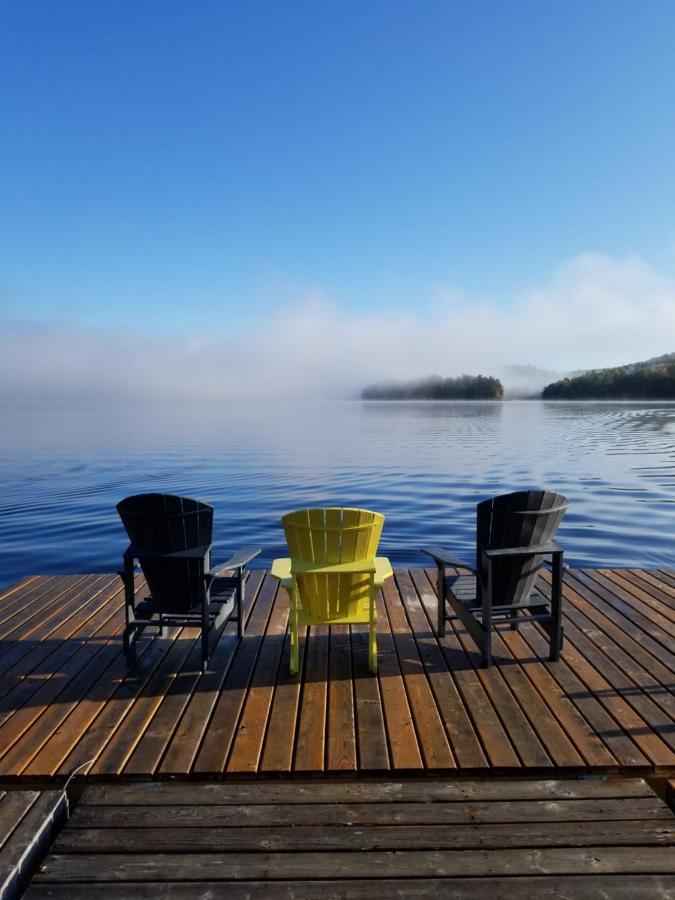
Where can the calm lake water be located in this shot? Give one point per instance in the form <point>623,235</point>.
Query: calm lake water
<point>424,465</point>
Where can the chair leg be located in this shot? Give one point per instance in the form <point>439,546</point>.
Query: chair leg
<point>555,644</point>
<point>205,649</point>
<point>487,650</point>
<point>129,644</point>
<point>486,618</point>
<point>440,590</point>
<point>129,636</point>
<point>556,632</point>
<point>205,631</point>
<point>295,650</point>
<point>241,595</point>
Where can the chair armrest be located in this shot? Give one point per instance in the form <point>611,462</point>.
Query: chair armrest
<point>548,547</point>
<point>383,570</point>
<point>445,558</point>
<point>362,567</point>
<point>238,561</point>
<point>133,551</point>
<point>281,568</point>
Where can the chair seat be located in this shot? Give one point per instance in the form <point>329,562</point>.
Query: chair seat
<point>463,588</point>
<point>222,588</point>
<point>221,595</point>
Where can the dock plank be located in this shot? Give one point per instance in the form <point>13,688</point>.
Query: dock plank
<point>413,789</point>
<point>576,887</point>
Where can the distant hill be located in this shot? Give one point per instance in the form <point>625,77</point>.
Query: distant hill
<point>653,379</point>
<point>466,387</point>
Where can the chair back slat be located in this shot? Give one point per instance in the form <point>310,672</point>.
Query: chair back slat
<point>329,536</point>
<point>333,534</point>
<point>164,523</point>
<point>519,519</point>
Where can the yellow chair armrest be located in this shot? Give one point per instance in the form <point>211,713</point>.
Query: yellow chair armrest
<point>281,569</point>
<point>383,569</point>
<point>363,567</point>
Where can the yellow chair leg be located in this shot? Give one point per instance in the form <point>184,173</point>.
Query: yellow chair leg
<point>295,654</point>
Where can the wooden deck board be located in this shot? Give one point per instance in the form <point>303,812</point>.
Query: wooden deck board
<point>510,838</point>
<point>577,887</point>
<point>67,698</point>
<point>29,821</point>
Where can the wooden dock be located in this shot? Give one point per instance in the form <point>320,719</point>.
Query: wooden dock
<point>339,839</point>
<point>68,701</point>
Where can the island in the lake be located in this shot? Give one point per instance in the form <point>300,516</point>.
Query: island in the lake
<point>465,387</point>
<point>652,379</point>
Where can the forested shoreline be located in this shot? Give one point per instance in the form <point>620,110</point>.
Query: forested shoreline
<point>652,380</point>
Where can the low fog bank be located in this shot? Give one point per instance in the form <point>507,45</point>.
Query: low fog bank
<point>522,382</point>
<point>593,312</point>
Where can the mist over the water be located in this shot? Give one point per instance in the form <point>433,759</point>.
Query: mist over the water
<point>594,311</point>
<point>424,465</point>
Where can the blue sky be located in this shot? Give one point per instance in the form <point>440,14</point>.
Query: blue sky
<point>210,165</point>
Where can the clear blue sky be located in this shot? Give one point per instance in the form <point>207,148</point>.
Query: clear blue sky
<point>208,160</point>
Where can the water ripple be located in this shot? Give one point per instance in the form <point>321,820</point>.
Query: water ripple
<point>425,465</point>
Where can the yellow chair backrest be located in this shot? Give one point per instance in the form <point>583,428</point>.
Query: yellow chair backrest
<point>332,536</point>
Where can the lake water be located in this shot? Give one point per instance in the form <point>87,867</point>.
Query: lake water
<point>424,465</point>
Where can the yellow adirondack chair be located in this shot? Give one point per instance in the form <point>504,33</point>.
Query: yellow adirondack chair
<point>333,575</point>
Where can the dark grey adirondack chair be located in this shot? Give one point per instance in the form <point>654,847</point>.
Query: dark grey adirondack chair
<point>514,534</point>
<point>171,540</point>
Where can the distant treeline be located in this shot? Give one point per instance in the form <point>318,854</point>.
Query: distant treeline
<point>466,387</point>
<point>624,383</point>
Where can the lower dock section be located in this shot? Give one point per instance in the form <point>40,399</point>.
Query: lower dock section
<point>329,839</point>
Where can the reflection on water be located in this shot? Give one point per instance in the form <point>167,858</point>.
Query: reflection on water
<point>425,465</point>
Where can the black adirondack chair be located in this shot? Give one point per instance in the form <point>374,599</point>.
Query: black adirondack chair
<point>514,535</point>
<point>171,540</point>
